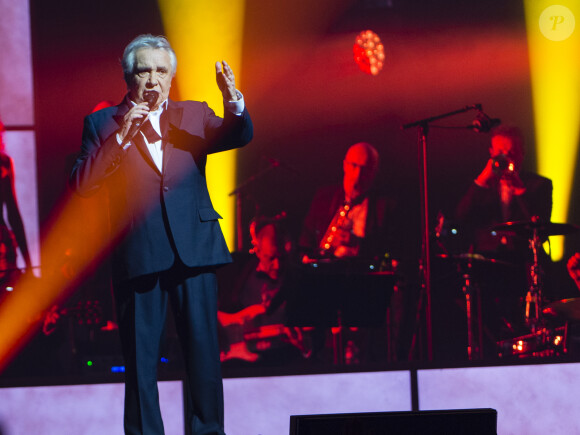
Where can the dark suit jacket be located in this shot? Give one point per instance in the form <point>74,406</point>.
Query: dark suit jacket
<point>378,236</point>
<point>481,208</point>
<point>155,214</point>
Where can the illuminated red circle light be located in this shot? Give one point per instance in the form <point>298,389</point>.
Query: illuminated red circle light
<point>369,52</point>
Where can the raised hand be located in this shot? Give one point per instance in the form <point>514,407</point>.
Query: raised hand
<point>226,81</point>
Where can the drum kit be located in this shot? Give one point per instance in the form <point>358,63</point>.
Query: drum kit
<point>543,338</point>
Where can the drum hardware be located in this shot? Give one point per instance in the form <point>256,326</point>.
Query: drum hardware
<point>465,265</point>
<point>474,258</point>
<point>534,295</point>
<point>536,232</point>
<point>541,343</point>
<point>566,309</point>
<point>474,349</point>
<point>542,228</point>
<point>567,312</point>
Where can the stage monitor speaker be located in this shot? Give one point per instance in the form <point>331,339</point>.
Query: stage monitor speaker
<point>447,422</point>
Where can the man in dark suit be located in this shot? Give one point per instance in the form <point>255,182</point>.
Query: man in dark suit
<point>504,192</point>
<point>150,152</point>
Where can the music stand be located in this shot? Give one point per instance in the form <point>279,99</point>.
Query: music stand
<point>338,294</point>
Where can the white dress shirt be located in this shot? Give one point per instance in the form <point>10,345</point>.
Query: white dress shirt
<point>156,148</point>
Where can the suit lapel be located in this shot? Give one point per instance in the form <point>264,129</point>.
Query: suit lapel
<point>138,140</point>
<point>169,121</point>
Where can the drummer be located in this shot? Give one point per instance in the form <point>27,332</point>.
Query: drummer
<point>503,192</point>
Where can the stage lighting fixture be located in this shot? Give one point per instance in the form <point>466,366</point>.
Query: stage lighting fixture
<point>369,52</point>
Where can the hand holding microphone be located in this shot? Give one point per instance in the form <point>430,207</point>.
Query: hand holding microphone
<point>137,115</point>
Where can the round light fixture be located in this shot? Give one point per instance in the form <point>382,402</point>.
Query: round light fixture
<point>369,52</point>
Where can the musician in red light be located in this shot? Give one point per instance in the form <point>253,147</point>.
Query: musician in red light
<point>353,224</point>
<point>12,236</point>
<point>349,220</point>
<point>573,266</point>
<point>502,195</point>
<point>504,192</point>
<point>253,317</point>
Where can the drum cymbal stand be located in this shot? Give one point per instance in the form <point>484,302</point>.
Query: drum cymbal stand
<point>534,294</point>
<point>470,290</point>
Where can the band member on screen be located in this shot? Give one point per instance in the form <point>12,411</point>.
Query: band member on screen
<point>12,235</point>
<point>253,316</point>
<point>350,220</point>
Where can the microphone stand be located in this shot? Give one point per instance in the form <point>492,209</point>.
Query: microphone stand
<point>425,262</point>
<point>238,191</point>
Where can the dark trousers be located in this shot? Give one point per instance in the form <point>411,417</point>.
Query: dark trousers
<point>142,307</point>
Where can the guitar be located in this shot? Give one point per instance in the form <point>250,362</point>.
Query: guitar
<point>246,341</point>
<point>83,313</point>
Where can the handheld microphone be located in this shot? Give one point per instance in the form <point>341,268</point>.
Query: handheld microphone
<point>150,98</point>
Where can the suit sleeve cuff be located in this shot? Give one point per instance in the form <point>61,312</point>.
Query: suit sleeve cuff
<point>120,142</point>
<point>235,107</point>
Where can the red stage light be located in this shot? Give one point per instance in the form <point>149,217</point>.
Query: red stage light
<point>369,52</point>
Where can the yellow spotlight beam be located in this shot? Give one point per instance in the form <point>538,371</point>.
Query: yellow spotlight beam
<point>23,310</point>
<point>554,53</point>
<point>201,33</point>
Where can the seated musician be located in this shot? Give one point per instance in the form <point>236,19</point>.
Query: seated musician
<point>252,319</point>
<point>349,221</point>
<point>351,225</point>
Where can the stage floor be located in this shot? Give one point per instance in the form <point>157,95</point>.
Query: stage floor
<point>535,398</point>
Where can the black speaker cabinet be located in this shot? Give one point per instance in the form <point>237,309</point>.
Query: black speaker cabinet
<point>447,422</point>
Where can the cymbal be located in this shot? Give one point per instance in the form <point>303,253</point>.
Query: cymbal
<point>542,227</point>
<point>473,258</point>
<point>568,309</point>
